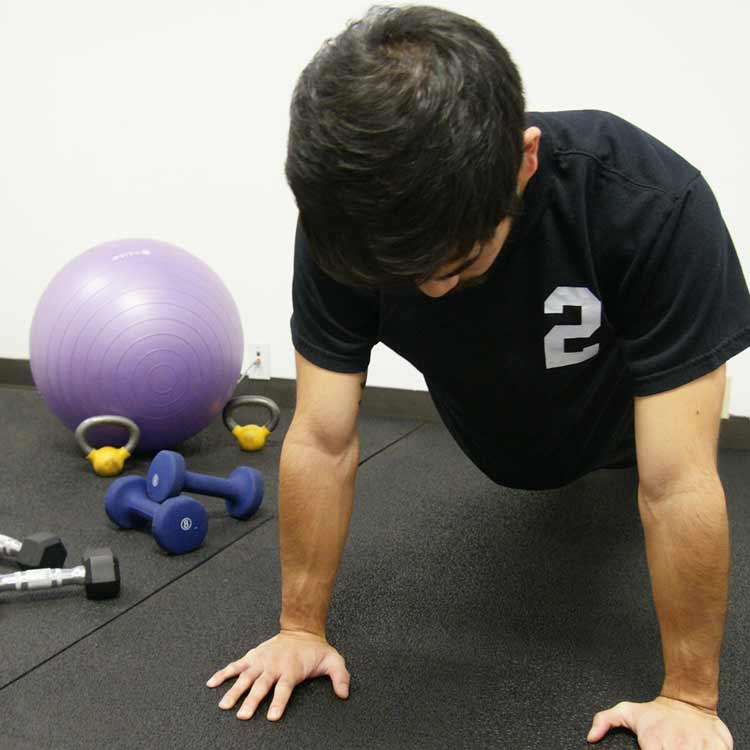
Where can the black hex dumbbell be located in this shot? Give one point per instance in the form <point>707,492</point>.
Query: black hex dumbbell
<point>100,574</point>
<point>40,550</point>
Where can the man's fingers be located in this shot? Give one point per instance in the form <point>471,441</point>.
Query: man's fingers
<point>257,693</point>
<point>240,687</point>
<point>280,699</point>
<point>619,716</point>
<point>340,676</point>
<point>282,663</point>
<point>231,670</point>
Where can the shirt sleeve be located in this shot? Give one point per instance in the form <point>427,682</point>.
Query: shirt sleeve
<point>333,326</point>
<point>684,303</point>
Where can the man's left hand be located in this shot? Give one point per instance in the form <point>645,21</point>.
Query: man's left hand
<point>665,724</point>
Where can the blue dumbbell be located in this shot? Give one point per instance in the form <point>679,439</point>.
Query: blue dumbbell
<point>242,492</point>
<point>179,525</point>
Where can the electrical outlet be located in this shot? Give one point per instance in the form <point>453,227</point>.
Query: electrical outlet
<point>259,362</point>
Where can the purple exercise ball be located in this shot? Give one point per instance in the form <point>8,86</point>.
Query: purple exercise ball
<point>142,329</point>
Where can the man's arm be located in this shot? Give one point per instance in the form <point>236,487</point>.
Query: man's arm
<point>319,463</point>
<point>684,516</point>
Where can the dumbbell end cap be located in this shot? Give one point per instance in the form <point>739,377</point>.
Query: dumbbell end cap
<point>165,476</point>
<point>42,550</point>
<point>102,573</point>
<point>180,524</point>
<point>247,500</point>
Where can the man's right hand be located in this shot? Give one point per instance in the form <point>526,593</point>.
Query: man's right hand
<point>284,660</point>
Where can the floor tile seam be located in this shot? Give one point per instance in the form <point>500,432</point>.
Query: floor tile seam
<point>136,604</point>
<point>183,574</point>
<point>391,444</point>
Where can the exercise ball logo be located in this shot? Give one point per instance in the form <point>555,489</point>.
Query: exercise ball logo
<point>186,524</point>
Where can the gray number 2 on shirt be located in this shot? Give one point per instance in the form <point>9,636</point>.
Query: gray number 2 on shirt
<point>591,319</point>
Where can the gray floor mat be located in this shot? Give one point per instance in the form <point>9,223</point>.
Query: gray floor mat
<point>47,485</point>
<point>470,616</point>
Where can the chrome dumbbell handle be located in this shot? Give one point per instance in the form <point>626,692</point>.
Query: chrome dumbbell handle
<point>9,547</point>
<point>43,578</point>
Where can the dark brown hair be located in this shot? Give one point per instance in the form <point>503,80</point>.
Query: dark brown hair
<point>405,143</point>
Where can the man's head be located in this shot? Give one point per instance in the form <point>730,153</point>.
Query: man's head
<point>407,154</point>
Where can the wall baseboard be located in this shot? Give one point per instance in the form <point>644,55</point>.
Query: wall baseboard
<point>378,402</point>
<point>15,372</point>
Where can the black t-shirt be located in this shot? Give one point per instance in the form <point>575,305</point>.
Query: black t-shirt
<point>620,280</point>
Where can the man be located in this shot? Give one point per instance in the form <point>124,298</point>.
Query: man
<point>567,286</point>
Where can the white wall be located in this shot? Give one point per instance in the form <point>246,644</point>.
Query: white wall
<point>168,119</point>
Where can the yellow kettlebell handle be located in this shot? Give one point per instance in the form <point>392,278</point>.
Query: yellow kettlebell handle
<point>108,461</point>
<point>251,437</point>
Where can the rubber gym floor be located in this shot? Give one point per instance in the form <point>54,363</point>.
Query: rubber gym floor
<point>470,615</point>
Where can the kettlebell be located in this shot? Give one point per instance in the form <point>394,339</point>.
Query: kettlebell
<point>108,461</point>
<point>251,437</point>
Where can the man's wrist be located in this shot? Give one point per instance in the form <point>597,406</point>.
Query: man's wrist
<point>700,694</point>
<point>292,624</point>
